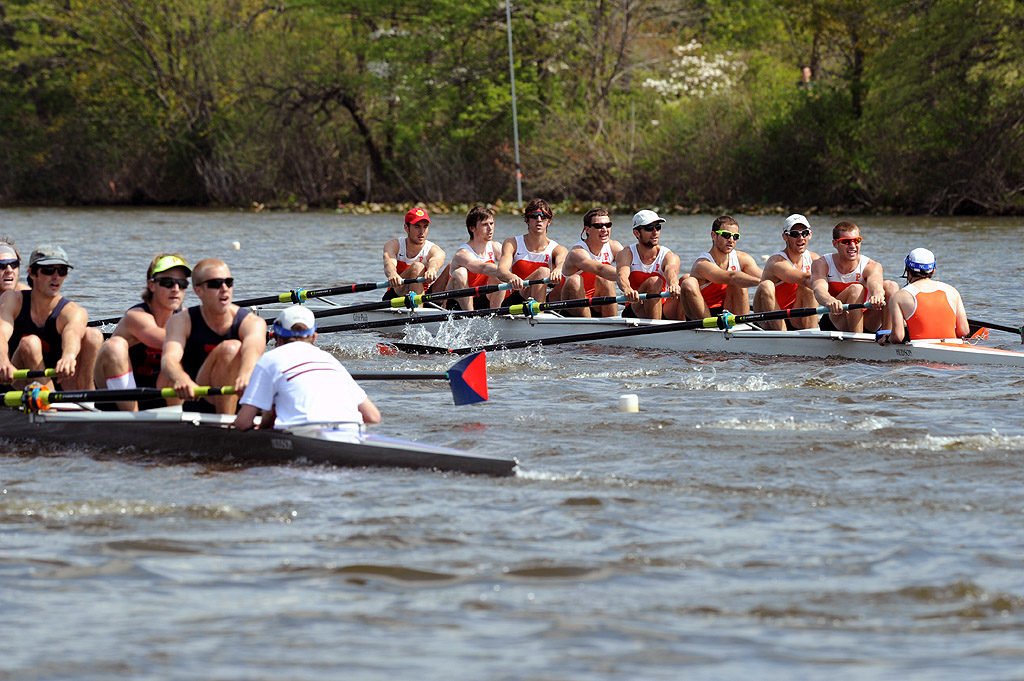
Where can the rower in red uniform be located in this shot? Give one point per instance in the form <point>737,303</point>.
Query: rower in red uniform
<point>476,262</point>
<point>41,329</point>
<point>929,308</point>
<point>215,343</point>
<point>532,256</point>
<point>786,281</point>
<point>845,277</point>
<point>413,256</point>
<point>724,273</point>
<point>130,358</point>
<point>648,267</point>
<point>589,267</point>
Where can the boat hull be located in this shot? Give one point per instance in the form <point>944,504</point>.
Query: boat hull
<point>184,436</point>
<point>740,340</point>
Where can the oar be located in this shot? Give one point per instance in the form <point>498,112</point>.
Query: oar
<point>529,308</point>
<point>416,299</point>
<point>978,324</point>
<point>467,378</point>
<point>723,321</point>
<point>41,398</point>
<point>299,295</point>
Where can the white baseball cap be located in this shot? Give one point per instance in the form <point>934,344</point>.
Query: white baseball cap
<point>291,316</point>
<point>645,217</point>
<point>921,260</point>
<point>794,220</point>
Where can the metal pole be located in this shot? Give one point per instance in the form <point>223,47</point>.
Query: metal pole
<point>515,116</point>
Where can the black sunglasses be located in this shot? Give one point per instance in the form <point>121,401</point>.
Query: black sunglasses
<point>727,235</point>
<point>217,283</point>
<point>599,225</point>
<point>656,227</point>
<point>539,215</point>
<point>50,270</point>
<point>13,264</point>
<point>795,233</point>
<point>171,282</point>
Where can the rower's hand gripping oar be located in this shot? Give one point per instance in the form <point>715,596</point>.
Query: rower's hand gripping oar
<point>722,321</point>
<point>414,300</point>
<point>295,296</point>
<point>976,324</point>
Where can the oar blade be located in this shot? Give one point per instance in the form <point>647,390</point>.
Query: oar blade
<point>468,379</point>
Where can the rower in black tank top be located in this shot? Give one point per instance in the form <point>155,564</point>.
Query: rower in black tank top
<point>53,344</point>
<point>202,339</point>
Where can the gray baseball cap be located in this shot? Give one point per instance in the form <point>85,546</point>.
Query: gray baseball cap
<point>49,254</point>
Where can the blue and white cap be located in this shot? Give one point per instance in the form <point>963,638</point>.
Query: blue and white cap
<point>292,316</point>
<point>921,260</point>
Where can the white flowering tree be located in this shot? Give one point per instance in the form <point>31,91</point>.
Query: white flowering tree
<point>693,72</point>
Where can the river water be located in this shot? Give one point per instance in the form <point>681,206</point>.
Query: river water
<point>757,519</point>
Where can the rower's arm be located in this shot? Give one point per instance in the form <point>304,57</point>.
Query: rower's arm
<point>143,327</point>
<point>253,334</point>
<point>873,283</point>
<point>622,266</point>
<point>9,302</point>
<point>179,327</point>
<point>369,411</point>
<point>671,264</point>
<point>75,321</point>
<point>963,328</point>
<point>819,286</point>
<point>558,257</point>
<point>435,263</point>
<point>391,263</point>
<point>897,319</point>
<point>750,268</point>
<point>508,254</point>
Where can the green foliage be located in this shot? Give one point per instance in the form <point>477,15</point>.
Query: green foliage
<point>913,107</point>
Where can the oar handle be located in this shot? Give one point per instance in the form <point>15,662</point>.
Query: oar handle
<point>20,374</point>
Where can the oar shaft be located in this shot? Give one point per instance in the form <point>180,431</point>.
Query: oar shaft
<point>400,375</point>
<point>998,327</point>
<point>15,398</point>
<point>721,321</point>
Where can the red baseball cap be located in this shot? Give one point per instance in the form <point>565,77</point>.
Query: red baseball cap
<point>416,215</point>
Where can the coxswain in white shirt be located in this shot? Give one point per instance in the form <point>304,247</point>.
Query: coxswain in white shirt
<point>298,384</point>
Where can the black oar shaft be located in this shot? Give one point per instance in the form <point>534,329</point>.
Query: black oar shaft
<point>977,323</point>
<point>721,321</point>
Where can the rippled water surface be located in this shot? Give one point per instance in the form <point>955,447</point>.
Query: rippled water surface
<point>758,519</point>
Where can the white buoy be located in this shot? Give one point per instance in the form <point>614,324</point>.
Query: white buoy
<point>629,403</point>
<point>236,245</point>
